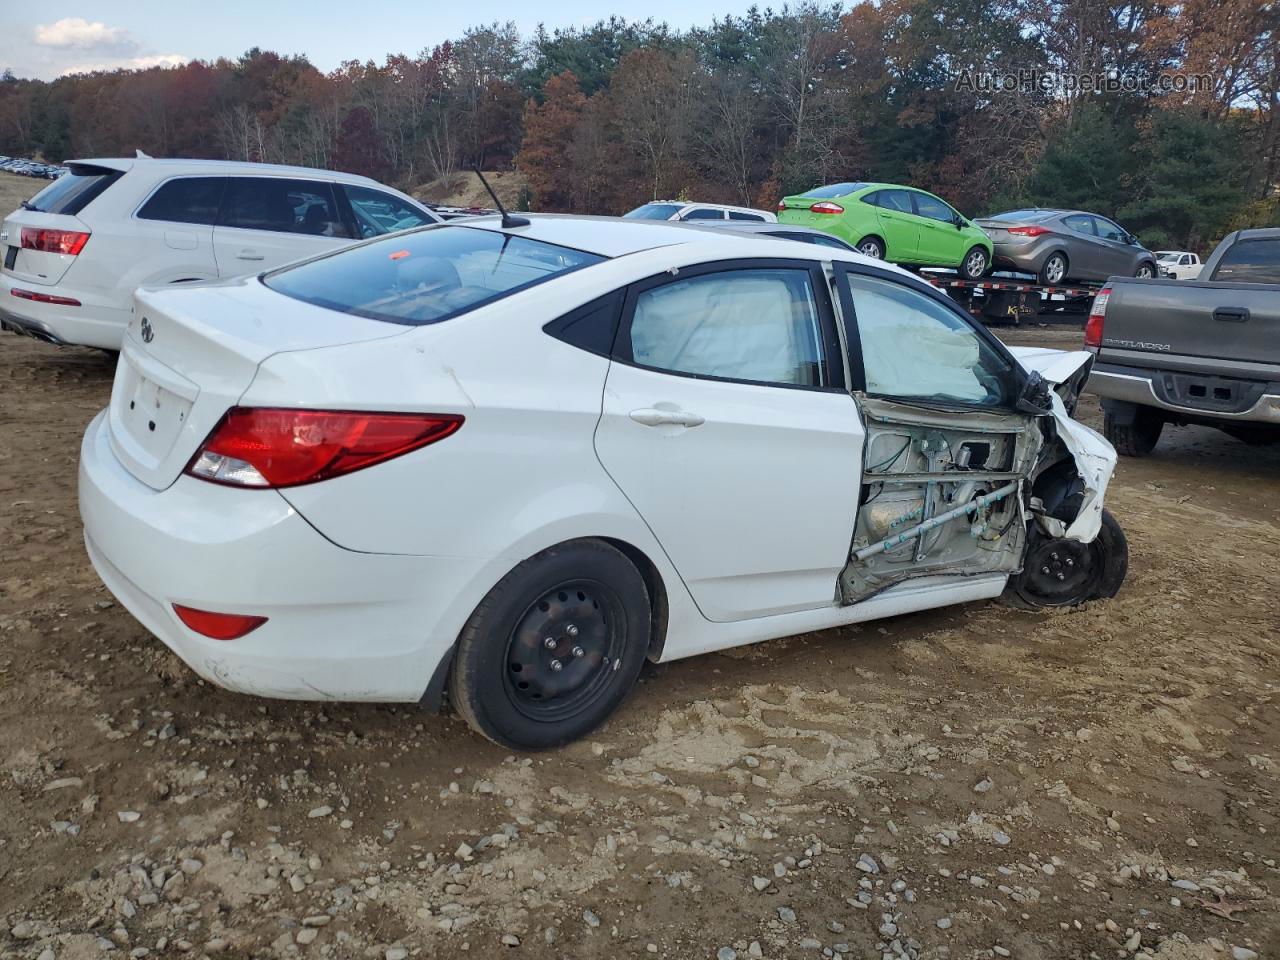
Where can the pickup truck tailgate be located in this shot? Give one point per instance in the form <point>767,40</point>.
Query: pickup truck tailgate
<point>1192,318</point>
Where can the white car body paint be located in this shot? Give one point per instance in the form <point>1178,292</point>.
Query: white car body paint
<point>367,579</point>
<point>1095,457</point>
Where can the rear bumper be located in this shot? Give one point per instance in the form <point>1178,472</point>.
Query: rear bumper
<point>92,324</point>
<point>1133,385</point>
<point>341,625</point>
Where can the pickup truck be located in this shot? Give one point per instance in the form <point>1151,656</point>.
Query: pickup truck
<point>1203,351</point>
<point>1178,264</point>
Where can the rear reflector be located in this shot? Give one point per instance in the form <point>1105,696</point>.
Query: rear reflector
<point>826,206</point>
<point>218,626</point>
<point>70,242</point>
<point>42,297</point>
<point>268,447</point>
<point>1097,317</point>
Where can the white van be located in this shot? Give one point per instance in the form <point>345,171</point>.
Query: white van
<point>75,252</point>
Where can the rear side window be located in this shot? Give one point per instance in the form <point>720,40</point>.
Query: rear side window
<point>186,200</point>
<point>282,206</point>
<point>760,326</point>
<point>738,215</point>
<point>427,276</point>
<point>703,213</point>
<point>74,191</point>
<point>377,213</point>
<point>1250,261</point>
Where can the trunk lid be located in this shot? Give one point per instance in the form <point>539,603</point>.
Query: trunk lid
<point>1197,318</point>
<point>191,351</point>
<point>37,266</point>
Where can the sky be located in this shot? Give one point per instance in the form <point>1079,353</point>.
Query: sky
<point>47,39</point>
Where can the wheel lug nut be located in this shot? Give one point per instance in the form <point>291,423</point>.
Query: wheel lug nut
<point>1062,576</point>
<point>1044,570</point>
<point>1053,556</point>
<point>549,643</point>
<point>578,652</point>
<point>571,630</point>
<point>557,666</point>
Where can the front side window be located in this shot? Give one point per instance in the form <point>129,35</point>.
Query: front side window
<point>377,213</point>
<point>916,348</point>
<point>427,276</point>
<point>1250,261</point>
<point>185,200</point>
<point>282,206</point>
<point>758,325</point>
<point>933,208</point>
<point>1109,231</point>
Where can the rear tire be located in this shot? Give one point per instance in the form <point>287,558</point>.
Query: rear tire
<point>1066,573</point>
<point>872,247</point>
<point>1136,439</point>
<point>591,602</point>
<point>1054,270</point>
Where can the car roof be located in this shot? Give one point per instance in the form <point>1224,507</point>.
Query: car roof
<point>176,165</point>
<point>749,226</point>
<point>698,203</point>
<point>1259,233</point>
<point>616,237</point>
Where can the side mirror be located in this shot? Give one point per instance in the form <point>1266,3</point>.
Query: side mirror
<point>958,221</point>
<point>1034,396</point>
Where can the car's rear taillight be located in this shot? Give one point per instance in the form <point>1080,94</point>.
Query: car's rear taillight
<point>1028,231</point>
<point>218,626</point>
<point>38,297</point>
<point>1097,317</point>
<point>70,242</point>
<point>826,206</point>
<point>278,447</point>
<point>782,205</point>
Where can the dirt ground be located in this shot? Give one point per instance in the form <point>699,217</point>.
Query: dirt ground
<point>966,783</point>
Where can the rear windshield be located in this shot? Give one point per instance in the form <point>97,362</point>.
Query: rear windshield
<point>427,276</point>
<point>1027,216</point>
<point>1250,261</point>
<point>654,211</point>
<point>73,191</point>
<point>835,190</point>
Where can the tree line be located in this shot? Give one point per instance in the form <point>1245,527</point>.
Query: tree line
<point>750,108</point>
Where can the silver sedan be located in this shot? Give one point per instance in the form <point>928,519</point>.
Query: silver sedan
<point>1062,245</point>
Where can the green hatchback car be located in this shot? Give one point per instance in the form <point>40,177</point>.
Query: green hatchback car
<point>890,222</point>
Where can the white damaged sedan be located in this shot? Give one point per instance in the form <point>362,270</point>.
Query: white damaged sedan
<point>508,461</point>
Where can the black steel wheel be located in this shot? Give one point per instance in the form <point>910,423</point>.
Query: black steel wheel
<point>561,653</point>
<point>1065,573</point>
<point>554,647</point>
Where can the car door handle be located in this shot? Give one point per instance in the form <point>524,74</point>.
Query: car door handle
<point>1231,314</point>
<point>250,255</point>
<point>652,417</point>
